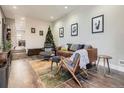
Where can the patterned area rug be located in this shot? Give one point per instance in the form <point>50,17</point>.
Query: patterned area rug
<point>48,77</point>
<point>95,79</point>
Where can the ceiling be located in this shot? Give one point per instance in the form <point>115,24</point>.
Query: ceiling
<point>43,12</point>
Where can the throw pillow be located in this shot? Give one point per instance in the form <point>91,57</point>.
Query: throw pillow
<point>87,46</point>
<point>58,48</point>
<point>64,49</point>
<point>69,46</point>
<point>74,47</point>
<point>81,46</point>
<point>66,46</point>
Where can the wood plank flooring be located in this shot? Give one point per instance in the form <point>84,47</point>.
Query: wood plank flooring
<point>95,81</point>
<point>22,75</point>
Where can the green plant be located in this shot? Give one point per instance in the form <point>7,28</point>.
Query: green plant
<point>0,48</point>
<point>8,45</point>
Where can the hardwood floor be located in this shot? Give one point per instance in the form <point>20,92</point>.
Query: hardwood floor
<point>97,80</point>
<point>22,75</point>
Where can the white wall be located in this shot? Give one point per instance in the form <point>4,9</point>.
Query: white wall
<point>34,40</point>
<point>0,30</point>
<point>110,42</point>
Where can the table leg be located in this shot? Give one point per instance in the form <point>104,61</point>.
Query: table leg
<point>108,65</point>
<point>51,65</point>
<point>97,63</point>
<point>104,65</point>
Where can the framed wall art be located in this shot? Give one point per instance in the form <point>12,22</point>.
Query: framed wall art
<point>32,30</point>
<point>41,32</point>
<point>98,24</point>
<point>74,29</point>
<point>61,32</point>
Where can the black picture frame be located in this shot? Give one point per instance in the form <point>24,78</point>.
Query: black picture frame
<point>41,32</point>
<point>98,24</point>
<point>74,29</point>
<point>61,32</point>
<point>32,30</point>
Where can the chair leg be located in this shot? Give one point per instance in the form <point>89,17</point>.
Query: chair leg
<point>76,79</point>
<point>59,68</point>
<point>104,66</point>
<point>72,73</point>
<point>85,71</point>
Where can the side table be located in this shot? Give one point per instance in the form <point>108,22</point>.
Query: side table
<point>105,59</point>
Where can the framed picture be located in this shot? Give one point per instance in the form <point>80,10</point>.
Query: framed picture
<point>41,32</point>
<point>32,30</point>
<point>61,32</point>
<point>74,29</point>
<point>98,24</point>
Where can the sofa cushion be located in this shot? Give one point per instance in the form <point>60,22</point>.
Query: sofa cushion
<point>35,51</point>
<point>64,49</point>
<point>58,48</point>
<point>87,46</point>
<point>81,46</point>
<point>74,47</point>
<point>69,46</point>
<point>64,53</point>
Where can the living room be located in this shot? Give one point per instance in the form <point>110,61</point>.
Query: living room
<point>30,25</point>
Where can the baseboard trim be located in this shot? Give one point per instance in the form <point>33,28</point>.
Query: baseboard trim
<point>119,68</point>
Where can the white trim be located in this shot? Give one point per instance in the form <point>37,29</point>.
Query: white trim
<point>119,68</point>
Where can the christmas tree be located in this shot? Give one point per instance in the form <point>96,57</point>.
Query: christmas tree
<point>49,38</point>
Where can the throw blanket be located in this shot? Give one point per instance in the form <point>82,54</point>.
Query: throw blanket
<point>84,60</point>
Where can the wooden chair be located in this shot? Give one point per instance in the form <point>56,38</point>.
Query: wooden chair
<point>72,67</point>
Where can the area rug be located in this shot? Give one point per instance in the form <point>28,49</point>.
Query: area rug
<point>48,77</point>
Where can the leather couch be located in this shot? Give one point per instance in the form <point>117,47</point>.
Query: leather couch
<point>38,51</point>
<point>92,54</point>
<point>35,51</point>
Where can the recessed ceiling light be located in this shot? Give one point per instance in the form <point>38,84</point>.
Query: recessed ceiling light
<point>52,17</point>
<point>14,7</point>
<point>66,7</point>
<point>22,18</point>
